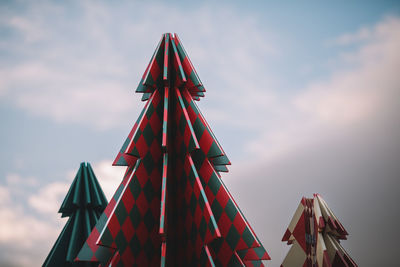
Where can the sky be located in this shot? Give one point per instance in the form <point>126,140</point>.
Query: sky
<point>302,95</point>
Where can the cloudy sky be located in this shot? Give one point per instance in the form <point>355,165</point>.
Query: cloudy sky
<point>303,97</point>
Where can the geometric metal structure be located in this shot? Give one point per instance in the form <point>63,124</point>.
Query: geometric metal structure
<point>83,204</point>
<point>172,207</point>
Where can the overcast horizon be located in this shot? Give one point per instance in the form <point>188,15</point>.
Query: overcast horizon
<point>303,98</point>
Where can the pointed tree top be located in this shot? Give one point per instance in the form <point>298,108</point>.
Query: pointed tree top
<point>84,192</point>
<point>170,66</point>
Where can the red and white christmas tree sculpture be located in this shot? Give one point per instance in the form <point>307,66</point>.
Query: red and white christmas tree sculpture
<point>315,235</point>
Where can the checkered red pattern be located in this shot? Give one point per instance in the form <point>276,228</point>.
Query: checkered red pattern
<point>91,251</point>
<point>315,235</point>
<point>172,208</point>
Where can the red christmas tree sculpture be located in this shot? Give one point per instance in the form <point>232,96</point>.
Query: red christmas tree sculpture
<point>315,235</point>
<point>172,208</point>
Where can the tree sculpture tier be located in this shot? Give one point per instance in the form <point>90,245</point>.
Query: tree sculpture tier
<point>83,204</point>
<point>172,208</point>
<point>315,235</point>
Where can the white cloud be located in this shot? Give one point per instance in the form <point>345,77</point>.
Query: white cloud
<point>108,176</point>
<point>4,195</point>
<point>17,180</point>
<point>21,232</point>
<point>49,197</point>
<point>30,31</point>
<point>350,38</point>
<point>383,30</point>
<point>17,185</point>
<point>24,230</point>
<point>86,75</point>
<point>355,94</point>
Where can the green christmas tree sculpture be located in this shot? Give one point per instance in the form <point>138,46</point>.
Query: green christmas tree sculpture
<point>83,205</point>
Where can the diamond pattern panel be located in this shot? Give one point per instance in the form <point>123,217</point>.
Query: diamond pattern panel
<point>133,225</point>
<point>142,87</point>
<point>314,233</point>
<point>195,223</point>
<point>172,209</point>
<point>193,81</point>
<point>90,250</point>
<point>209,144</point>
<point>153,74</point>
<point>149,130</point>
<point>185,139</point>
<point>122,158</point>
<point>159,70</point>
<point>180,76</point>
<point>236,232</point>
